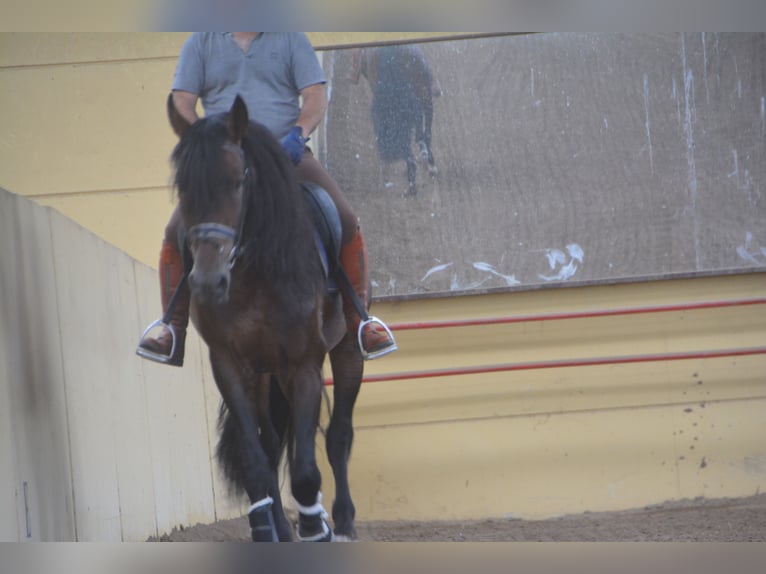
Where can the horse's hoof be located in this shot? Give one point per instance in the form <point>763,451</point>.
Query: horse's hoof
<point>324,535</point>
<point>433,170</point>
<point>341,538</point>
<point>261,518</point>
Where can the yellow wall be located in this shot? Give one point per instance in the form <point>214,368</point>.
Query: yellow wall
<point>539,443</point>
<point>85,130</point>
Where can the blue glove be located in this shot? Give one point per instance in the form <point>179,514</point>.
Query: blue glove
<point>294,144</point>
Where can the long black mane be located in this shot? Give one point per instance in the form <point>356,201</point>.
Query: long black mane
<point>278,236</point>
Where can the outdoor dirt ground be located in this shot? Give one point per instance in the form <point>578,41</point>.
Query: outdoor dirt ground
<point>722,520</point>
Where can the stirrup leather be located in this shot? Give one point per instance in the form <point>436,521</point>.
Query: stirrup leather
<point>375,354</point>
<point>151,355</point>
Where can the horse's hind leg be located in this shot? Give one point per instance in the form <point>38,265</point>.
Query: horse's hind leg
<point>243,458</point>
<point>347,369</point>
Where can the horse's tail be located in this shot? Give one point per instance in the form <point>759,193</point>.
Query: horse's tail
<point>230,450</point>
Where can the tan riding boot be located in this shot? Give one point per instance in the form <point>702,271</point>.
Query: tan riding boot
<point>167,348</point>
<point>375,338</point>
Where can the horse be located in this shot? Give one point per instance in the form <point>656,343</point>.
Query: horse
<point>403,87</point>
<point>261,303</point>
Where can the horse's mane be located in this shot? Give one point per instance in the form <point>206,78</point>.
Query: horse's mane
<point>278,238</point>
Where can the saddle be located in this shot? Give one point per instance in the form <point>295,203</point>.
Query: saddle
<point>328,227</point>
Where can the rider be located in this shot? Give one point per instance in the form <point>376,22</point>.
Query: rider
<point>271,71</point>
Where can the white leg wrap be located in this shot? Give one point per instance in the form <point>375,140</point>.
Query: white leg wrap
<point>261,503</point>
<point>321,536</point>
<point>314,509</point>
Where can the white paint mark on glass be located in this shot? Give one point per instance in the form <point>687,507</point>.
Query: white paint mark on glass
<point>555,257</point>
<point>482,266</point>
<point>567,266</point>
<point>735,173</point>
<point>647,123</point>
<point>689,129</point>
<point>576,252</point>
<point>750,252</point>
<point>704,69</point>
<point>436,269</point>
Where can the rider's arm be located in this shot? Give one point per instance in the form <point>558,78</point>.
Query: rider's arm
<point>186,104</point>
<point>313,108</point>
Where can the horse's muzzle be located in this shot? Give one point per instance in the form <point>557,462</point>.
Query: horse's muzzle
<point>211,288</point>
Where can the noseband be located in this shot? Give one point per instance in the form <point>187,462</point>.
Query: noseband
<point>206,232</point>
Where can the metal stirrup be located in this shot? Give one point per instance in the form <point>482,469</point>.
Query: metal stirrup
<point>164,322</point>
<point>368,356</point>
<point>151,355</point>
<point>365,319</point>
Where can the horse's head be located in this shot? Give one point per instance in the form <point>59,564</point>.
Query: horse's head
<point>210,176</point>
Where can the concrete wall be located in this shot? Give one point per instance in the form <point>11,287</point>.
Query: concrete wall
<point>97,444</point>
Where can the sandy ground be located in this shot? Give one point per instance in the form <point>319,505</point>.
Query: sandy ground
<point>699,520</point>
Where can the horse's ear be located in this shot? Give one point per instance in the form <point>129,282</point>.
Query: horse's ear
<point>177,121</point>
<point>238,120</point>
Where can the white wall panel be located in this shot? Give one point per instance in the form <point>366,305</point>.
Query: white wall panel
<point>178,438</point>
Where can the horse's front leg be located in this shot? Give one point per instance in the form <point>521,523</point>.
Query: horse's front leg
<point>305,388</point>
<point>273,418</point>
<point>347,370</point>
<point>240,451</point>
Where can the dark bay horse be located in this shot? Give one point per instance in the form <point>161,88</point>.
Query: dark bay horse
<point>261,304</point>
<point>403,87</point>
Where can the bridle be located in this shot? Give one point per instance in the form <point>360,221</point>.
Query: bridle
<point>206,232</point>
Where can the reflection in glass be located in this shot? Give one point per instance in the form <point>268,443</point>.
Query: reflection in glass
<point>560,157</point>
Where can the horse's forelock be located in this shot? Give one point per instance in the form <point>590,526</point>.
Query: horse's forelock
<point>199,167</point>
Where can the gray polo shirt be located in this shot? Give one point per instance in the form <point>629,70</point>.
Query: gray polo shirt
<point>269,76</point>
